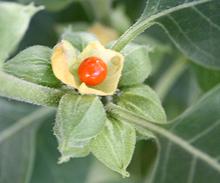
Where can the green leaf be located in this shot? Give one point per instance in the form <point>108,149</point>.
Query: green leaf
<point>79,119</point>
<point>137,66</point>
<point>199,43</point>
<point>207,78</point>
<point>78,39</point>
<point>153,10</point>
<point>33,64</point>
<point>46,169</point>
<point>14,21</point>
<point>114,146</point>
<point>18,89</point>
<point>194,137</point>
<point>18,127</point>
<point>143,134</point>
<point>142,100</point>
<point>191,142</point>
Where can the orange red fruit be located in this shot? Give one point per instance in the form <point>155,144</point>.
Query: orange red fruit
<point>92,71</point>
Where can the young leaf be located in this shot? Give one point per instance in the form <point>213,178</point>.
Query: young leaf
<point>14,20</point>
<point>191,142</point>
<point>114,146</point>
<point>175,17</point>
<point>18,89</point>
<point>78,39</point>
<point>79,119</point>
<point>142,100</point>
<point>137,65</point>
<point>33,64</point>
<point>18,126</point>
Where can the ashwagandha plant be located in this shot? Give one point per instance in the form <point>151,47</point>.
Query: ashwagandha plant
<point>102,100</point>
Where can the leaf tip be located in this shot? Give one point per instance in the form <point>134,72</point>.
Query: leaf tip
<point>125,174</point>
<point>63,159</point>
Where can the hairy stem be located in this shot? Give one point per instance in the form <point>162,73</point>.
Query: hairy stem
<point>130,34</point>
<point>145,22</point>
<point>132,118</point>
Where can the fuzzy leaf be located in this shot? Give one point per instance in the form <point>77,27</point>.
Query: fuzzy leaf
<point>14,21</point>
<point>79,119</point>
<point>78,39</point>
<point>114,146</point>
<point>142,100</point>
<point>137,66</point>
<point>18,89</point>
<point>33,64</point>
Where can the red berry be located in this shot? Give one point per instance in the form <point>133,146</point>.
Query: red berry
<point>92,71</point>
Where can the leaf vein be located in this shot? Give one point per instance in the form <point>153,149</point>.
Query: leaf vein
<point>141,25</point>
<point>204,132</point>
<point>167,156</point>
<point>188,39</point>
<point>206,18</point>
<point>22,123</point>
<point>192,170</point>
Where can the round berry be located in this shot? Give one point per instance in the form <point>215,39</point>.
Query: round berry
<point>92,71</point>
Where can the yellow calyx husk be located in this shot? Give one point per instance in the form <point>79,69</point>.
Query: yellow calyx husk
<point>66,59</point>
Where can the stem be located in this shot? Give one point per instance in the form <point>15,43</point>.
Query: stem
<point>130,34</point>
<point>132,118</point>
<point>168,79</point>
<point>145,22</point>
